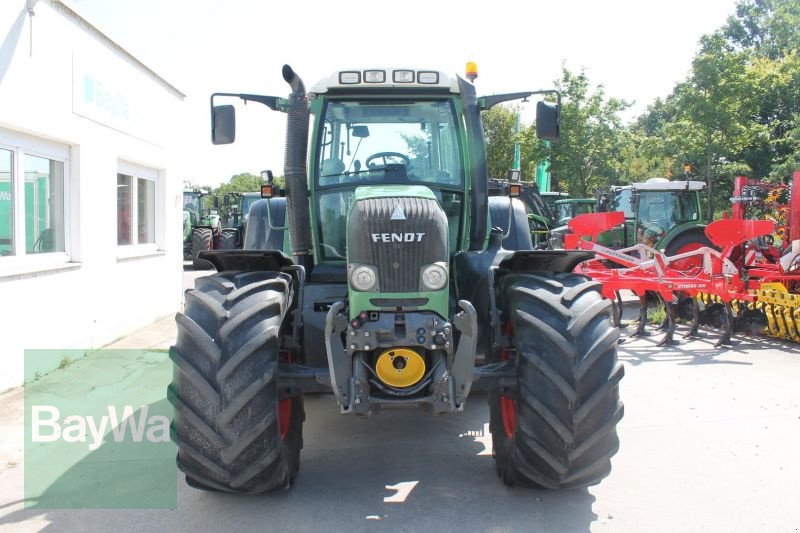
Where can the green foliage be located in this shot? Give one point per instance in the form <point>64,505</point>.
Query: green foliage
<point>656,315</point>
<point>587,156</point>
<point>736,112</point>
<point>499,130</point>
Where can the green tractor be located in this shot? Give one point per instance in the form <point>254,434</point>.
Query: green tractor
<point>406,286</point>
<point>666,215</point>
<point>201,227</point>
<point>566,210</point>
<point>540,218</point>
<point>239,204</point>
<point>550,198</point>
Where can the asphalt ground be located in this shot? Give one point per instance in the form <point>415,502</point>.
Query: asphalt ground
<point>709,442</point>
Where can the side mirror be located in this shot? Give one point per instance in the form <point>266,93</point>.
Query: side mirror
<point>360,132</point>
<point>223,124</point>
<point>547,121</point>
<point>226,200</point>
<point>512,175</point>
<point>216,202</point>
<point>266,176</point>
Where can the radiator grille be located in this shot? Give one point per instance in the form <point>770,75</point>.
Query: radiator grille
<point>398,247</point>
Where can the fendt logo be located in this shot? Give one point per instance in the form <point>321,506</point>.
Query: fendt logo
<point>397,237</point>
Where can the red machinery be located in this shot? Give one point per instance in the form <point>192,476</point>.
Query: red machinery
<point>748,277</point>
<point>644,270</point>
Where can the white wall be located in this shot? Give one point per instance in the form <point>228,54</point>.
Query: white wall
<point>133,116</point>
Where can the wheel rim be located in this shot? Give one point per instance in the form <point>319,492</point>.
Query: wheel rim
<point>508,406</point>
<point>689,264</point>
<point>285,406</point>
<point>284,417</point>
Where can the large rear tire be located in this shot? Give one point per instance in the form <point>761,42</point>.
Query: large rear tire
<point>233,432</point>
<point>560,430</point>
<point>201,240</point>
<point>688,242</point>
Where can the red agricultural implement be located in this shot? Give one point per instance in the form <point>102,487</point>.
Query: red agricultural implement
<point>645,270</point>
<point>748,281</point>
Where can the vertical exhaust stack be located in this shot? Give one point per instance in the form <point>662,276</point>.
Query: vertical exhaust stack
<point>295,171</point>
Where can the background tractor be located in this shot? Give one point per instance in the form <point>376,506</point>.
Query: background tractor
<point>232,235</point>
<point>201,227</point>
<point>396,293</point>
<point>566,210</point>
<point>540,219</point>
<point>666,215</point>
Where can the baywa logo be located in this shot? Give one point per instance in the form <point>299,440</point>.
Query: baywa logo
<point>97,431</point>
<point>48,426</point>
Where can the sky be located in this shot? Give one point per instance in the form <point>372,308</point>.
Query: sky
<point>636,49</point>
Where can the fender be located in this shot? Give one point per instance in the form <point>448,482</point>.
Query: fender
<point>247,259</point>
<point>677,231</point>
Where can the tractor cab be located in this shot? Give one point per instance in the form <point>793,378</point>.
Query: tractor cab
<point>568,209</point>
<point>192,205</point>
<point>390,147</point>
<point>657,212</point>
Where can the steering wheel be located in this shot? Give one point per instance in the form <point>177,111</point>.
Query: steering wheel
<point>385,156</point>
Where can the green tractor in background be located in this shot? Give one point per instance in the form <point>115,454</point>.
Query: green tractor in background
<point>566,210</point>
<point>666,215</point>
<point>540,219</point>
<point>406,286</point>
<point>550,198</point>
<point>239,204</point>
<point>201,227</point>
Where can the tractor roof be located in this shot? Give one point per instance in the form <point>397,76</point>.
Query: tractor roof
<point>383,78</point>
<point>665,185</point>
<point>576,201</point>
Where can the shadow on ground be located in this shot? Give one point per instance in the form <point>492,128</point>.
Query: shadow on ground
<point>401,470</point>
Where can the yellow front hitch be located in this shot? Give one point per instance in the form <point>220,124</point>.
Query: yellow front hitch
<point>400,367</point>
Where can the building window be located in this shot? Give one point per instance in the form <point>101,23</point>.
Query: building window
<point>6,202</point>
<point>136,208</point>
<point>33,218</point>
<point>124,214</point>
<point>146,210</point>
<point>44,205</point>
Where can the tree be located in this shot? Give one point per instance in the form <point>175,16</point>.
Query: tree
<point>736,111</point>
<point>587,156</point>
<point>499,130</point>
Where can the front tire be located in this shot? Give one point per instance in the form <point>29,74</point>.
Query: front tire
<point>202,239</point>
<point>228,239</point>
<point>233,432</point>
<point>559,431</point>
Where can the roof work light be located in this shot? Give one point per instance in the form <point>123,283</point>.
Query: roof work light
<point>472,70</point>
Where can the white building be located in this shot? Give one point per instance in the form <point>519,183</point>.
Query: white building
<point>90,187</point>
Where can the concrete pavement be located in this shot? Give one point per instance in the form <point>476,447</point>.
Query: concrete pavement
<point>709,443</point>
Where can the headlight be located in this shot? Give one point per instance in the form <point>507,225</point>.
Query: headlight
<point>363,278</point>
<point>434,277</point>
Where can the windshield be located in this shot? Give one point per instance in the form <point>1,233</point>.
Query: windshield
<point>622,202</point>
<point>564,211</point>
<point>191,203</point>
<point>382,142</point>
<point>249,200</point>
<point>389,142</point>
